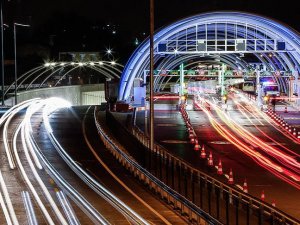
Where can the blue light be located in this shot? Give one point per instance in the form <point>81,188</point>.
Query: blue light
<point>138,61</point>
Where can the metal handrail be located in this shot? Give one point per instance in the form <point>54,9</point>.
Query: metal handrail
<point>151,178</point>
<point>230,190</point>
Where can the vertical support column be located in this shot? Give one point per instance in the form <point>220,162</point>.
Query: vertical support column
<point>181,73</point>
<point>222,79</point>
<point>259,88</point>
<point>151,75</point>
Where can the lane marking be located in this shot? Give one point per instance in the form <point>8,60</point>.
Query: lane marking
<point>116,177</point>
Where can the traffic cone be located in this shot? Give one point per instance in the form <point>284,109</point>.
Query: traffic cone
<point>286,126</point>
<point>197,146</point>
<point>210,160</point>
<point>192,140</point>
<point>245,186</point>
<point>262,195</point>
<point>203,153</point>
<point>191,134</point>
<point>220,170</point>
<point>230,180</point>
<point>285,109</point>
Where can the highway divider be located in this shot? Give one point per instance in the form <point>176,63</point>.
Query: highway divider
<point>170,196</point>
<point>227,204</point>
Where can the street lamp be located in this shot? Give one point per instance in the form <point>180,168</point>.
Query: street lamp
<point>15,49</point>
<point>151,76</point>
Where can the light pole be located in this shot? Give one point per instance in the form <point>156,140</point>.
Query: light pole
<point>2,56</point>
<point>151,75</point>
<point>15,51</point>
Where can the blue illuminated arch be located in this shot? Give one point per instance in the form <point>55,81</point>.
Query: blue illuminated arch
<point>264,28</point>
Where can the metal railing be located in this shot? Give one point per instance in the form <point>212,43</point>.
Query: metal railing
<point>238,205</point>
<point>170,196</point>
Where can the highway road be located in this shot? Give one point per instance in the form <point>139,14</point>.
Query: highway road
<point>74,128</point>
<point>170,131</point>
<point>57,171</point>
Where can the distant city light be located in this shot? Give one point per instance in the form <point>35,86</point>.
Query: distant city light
<point>109,51</point>
<point>80,64</point>
<point>92,63</point>
<point>72,63</point>
<point>52,64</point>
<point>62,64</point>
<point>113,63</point>
<point>101,63</point>
<point>47,64</point>
<point>136,41</point>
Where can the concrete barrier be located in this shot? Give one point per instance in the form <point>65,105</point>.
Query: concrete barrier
<point>75,94</point>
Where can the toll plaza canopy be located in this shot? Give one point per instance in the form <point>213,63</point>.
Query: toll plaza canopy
<point>240,40</point>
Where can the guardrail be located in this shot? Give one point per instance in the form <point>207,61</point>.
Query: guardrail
<point>240,208</point>
<point>179,202</point>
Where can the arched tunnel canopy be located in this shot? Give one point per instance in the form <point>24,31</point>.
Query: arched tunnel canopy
<point>240,40</point>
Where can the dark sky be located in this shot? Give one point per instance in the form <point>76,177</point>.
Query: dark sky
<point>70,21</point>
<point>133,13</point>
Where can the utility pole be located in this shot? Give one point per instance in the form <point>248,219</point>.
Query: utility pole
<point>151,75</point>
<point>2,56</point>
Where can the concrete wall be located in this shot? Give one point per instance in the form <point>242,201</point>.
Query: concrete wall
<point>74,94</point>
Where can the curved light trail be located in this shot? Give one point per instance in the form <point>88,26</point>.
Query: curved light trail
<point>278,170</point>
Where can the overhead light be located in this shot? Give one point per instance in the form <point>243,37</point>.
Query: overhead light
<point>47,64</point>
<point>92,63</point>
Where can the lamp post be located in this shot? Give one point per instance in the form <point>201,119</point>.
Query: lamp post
<point>2,56</point>
<point>151,75</point>
<point>15,52</point>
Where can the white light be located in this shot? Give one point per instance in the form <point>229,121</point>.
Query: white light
<point>62,64</point>
<point>176,51</point>
<point>53,64</point>
<point>72,63</point>
<point>47,64</point>
<point>108,51</point>
<point>113,63</point>
<point>92,63</point>
<point>80,64</point>
<point>101,63</point>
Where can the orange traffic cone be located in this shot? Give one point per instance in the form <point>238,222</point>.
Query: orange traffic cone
<point>220,170</point>
<point>294,132</point>
<point>262,195</point>
<point>203,153</point>
<point>197,146</point>
<point>230,180</point>
<point>192,140</point>
<point>245,186</point>
<point>273,203</point>
<point>191,133</point>
<point>210,160</point>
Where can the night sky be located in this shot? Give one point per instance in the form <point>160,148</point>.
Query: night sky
<point>77,25</point>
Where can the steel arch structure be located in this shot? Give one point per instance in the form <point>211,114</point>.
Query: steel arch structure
<point>227,34</point>
<point>38,77</point>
